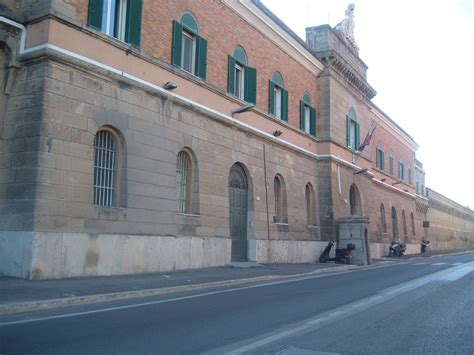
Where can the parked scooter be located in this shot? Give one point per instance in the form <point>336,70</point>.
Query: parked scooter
<point>343,255</point>
<point>424,244</point>
<point>397,249</point>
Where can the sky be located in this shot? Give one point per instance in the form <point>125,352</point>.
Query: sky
<point>420,56</point>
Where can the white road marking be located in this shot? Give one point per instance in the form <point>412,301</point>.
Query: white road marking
<point>436,264</point>
<point>456,264</point>
<point>423,263</point>
<point>320,320</point>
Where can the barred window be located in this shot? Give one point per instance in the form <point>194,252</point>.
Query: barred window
<point>183,182</point>
<point>105,150</point>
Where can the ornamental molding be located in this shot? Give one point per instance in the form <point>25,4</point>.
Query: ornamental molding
<point>337,63</point>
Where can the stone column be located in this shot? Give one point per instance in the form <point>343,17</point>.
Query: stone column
<point>354,230</point>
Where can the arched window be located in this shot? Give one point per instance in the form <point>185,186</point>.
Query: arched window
<point>307,115</point>
<point>184,181</point>
<point>383,220</point>
<point>412,224</point>
<point>189,50</point>
<point>379,157</point>
<point>401,170</point>
<point>354,201</point>
<point>105,168</point>
<point>352,130</point>
<point>310,205</point>
<point>277,98</point>
<point>241,79</point>
<point>391,163</point>
<point>410,179</point>
<point>404,221</point>
<point>280,200</point>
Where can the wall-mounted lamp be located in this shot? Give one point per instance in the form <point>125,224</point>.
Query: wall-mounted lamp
<point>170,86</point>
<point>277,133</point>
<point>243,109</point>
<point>360,171</point>
<point>383,180</point>
<point>397,182</point>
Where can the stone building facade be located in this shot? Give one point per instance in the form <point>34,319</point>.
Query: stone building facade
<point>249,152</point>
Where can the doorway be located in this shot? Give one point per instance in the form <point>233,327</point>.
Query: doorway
<point>238,207</point>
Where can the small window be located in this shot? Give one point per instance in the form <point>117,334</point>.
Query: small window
<point>188,55</point>
<point>352,130</point>
<point>410,179</point>
<point>280,200</point>
<point>310,205</point>
<point>307,116</point>
<point>189,49</point>
<point>105,169</point>
<point>380,158</point>
<point>278,98</point>
<point>412,224</point>
<point>401,170</point>
<point>241,79</point>
<point>277,103</point>
<point>118,18</point>
<point>391,163</point>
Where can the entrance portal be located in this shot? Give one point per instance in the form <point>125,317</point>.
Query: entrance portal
<point>238,205</point>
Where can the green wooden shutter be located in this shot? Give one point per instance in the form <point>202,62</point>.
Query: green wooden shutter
<point>250,94</point>
<point>271,97</point>
<point>177,43</point>
<point>201,56</point>
<point>312,121</point>
<point>94,15</point>
<point>284,105</point>
<point>348,131</point>
<point>302,115</point>
<point>133,26</point>
<point>357,136</point>
<point>230,75</point>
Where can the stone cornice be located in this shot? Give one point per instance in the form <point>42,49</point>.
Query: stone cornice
<point>336,62</point>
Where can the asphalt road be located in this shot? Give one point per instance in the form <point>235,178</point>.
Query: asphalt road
<point>425,306</point>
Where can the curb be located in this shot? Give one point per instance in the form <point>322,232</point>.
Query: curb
<point>21,307</point>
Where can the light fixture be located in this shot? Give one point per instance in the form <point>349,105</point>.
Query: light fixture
<point>277,133</point>
<point>397,182</point>
<point>243,109</point>
<point>361,171</point>
<point>383,180</point>
<point>169,85</point>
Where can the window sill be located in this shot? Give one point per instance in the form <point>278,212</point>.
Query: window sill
<point>189,215</point>
<point>312,227</point>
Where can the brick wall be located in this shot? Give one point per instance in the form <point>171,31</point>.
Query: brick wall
<point>215,18</point>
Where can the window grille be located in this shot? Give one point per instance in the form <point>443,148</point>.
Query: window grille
<point>104,169</point>
<point>182,172</point>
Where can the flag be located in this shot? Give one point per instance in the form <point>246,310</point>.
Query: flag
<point>367,139</point>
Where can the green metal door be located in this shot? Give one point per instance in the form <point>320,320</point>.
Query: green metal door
<point>238,201</point>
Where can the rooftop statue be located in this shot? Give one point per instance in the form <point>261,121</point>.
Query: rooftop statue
<point>346,26</point>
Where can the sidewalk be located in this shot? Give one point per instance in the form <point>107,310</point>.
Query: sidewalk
<point>18,295</point>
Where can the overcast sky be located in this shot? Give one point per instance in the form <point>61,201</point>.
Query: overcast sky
<point>420,56</point>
